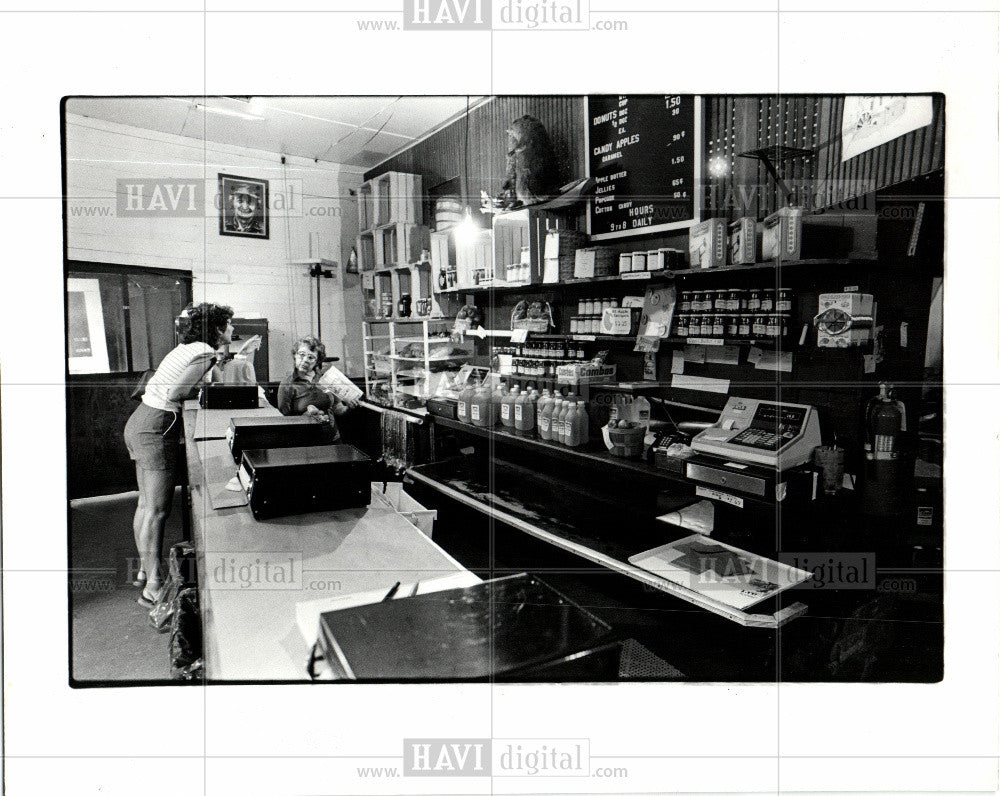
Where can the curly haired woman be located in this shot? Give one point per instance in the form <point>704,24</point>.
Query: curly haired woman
<point>152,434</point>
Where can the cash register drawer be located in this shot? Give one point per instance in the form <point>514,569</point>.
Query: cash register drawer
<point>720,475</point>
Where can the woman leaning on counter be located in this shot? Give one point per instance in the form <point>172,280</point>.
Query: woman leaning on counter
<point>299,394</point>
<point>152,433</point>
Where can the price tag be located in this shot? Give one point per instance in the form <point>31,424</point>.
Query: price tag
<point>715,494</point>
<point>616,320</point>
<point>706,341</point>
<point>636,275</point>
<point>519,335</point>
<point>586,338</point>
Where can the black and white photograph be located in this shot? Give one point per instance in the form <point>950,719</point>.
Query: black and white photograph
<point>243,207</point>
<point>615,434</point>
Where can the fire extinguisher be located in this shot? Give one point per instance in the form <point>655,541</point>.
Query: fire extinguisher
<point>886,423</point>
<point>884,480</point>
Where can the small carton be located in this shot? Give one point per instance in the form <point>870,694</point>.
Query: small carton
<point>743,241</point>
<point>707,243</point>
<point>781,235</point>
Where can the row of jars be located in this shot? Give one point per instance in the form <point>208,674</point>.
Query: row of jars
<point>746,325</point>
<point>544,349</point>
<point>736,300</point>
<point>595,306</point>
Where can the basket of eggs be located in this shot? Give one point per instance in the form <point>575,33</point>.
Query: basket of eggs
<point>624,438</point>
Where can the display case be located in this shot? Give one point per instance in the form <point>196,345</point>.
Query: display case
<point>406,360</point>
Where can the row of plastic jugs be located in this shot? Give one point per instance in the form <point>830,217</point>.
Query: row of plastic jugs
<point>527,413</point>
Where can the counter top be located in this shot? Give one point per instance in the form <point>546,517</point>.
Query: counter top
<point>252,574</point>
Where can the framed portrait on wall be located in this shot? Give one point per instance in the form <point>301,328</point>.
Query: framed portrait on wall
<point>243,207</point>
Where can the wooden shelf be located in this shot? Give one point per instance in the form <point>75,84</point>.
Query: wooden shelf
<point>593,452</point>
<point>666,275</point>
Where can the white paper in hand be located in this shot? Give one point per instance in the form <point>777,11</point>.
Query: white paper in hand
<point>333,381</point>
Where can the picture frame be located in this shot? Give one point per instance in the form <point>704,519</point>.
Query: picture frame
<point>243,207</point>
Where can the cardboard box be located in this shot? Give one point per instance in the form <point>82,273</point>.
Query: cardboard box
<point>707,243</point>
<point>743,241</point>
<point>781,235</point>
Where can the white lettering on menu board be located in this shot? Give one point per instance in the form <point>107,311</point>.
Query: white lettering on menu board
<point>643,160</point>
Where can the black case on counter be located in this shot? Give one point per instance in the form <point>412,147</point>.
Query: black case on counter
<point>443,407</point>
<point>248,433</point>
<point>229,396</point>
<point>512,628</point>
<point>285,481</point>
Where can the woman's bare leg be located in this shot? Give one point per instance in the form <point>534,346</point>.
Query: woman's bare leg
<point>159,497</point>
<point>140,511</point>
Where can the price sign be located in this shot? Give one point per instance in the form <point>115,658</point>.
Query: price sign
<point>644,153</point>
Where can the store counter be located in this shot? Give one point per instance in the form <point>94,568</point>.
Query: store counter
<point>254,576</point>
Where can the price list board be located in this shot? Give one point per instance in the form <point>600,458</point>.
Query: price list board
<point>644,152</point>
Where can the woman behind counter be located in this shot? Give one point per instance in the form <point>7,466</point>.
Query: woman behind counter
<point>152,433</point>
<point>298,393</point>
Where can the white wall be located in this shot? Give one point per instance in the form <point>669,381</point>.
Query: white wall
<point>251,275</point>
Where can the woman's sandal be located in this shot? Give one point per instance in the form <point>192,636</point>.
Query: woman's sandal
<point>147,600</point>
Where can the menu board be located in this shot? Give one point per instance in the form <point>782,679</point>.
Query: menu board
<point>644,152</point>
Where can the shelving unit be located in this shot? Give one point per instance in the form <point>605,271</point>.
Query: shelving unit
<point>392,379</point>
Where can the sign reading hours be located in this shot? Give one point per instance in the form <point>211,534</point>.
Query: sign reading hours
<point>644,152</point>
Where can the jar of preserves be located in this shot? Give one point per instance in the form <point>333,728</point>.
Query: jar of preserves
<point>732,326</point>
<point>784,300</point>
<point>759,327</point>
<point>721,301</point>
<point>581,307</point>
<point>684,305</point>
<point>733,303</point>
<point>682,325</point>
<point>705,326</point>
<point>588,307</point>
<point>767,300</point>
<point>785,322</point>
<point>753,301</point>
<point>718,325</point>
<point>745,325</point>
<point>773,326</point>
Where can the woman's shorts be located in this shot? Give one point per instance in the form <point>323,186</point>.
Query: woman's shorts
<point>152,437</point>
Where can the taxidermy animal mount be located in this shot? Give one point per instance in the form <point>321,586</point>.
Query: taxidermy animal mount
<point>532,170</point>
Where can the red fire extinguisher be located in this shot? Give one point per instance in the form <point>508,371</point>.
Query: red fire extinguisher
<point>884,480</point>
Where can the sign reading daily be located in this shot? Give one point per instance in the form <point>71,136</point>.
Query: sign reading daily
<point>644,155</point>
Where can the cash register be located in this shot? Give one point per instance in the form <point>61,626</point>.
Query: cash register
<point>752,444</point>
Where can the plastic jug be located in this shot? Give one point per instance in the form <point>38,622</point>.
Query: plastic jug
<point>480,412</point>
<point>507,404</point>
<point>464,399</point>
<point>582,435</point>
<point>569,424</point>
<point>524,418</point>
<point>545,420</point>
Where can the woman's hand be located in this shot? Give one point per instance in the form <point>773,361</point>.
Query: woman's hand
<point>251,345</point>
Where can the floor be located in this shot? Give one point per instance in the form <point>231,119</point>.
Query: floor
<point>112,638</point>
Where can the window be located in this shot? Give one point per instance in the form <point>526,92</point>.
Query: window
<point>121,319</point>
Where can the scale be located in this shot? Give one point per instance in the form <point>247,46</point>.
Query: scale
<point>752,443</point>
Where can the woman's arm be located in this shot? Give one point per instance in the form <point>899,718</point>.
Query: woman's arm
<point>190,377</point>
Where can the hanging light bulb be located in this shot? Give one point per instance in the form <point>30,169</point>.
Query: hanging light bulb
<point>467,230</point>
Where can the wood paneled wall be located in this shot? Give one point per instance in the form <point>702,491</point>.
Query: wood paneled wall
<point>733,124</point>
<point>442,156</point>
